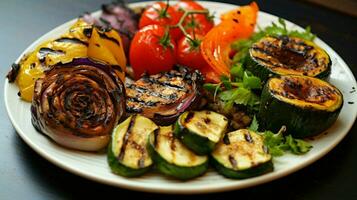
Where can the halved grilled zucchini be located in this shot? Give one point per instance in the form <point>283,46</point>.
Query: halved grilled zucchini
<point>200,131</point>
<point>273,56</point>
<point>305,105</point>
<point>242,154</point>
<point>173,158</point>
<point>127,152</point>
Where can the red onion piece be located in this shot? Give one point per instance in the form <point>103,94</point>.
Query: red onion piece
<point>78,104</point>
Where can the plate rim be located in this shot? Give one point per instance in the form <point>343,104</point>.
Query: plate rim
<point>155,188</point>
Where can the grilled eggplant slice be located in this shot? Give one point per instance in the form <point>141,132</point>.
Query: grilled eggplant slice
<point>274,56</point>
<point>242,154</point>
<point>163,97</point>
<point>127,153</point>
<point>200,131</point>
<point>306,106</point>
<point>78,104</point>
<point>173,158</point>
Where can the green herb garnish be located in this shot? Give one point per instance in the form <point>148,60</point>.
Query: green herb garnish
<point>254,124</point>
<point>278,144</point>
<point>240,96</point>
<point>239,88</point>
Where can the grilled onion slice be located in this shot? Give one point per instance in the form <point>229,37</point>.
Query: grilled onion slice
<point>78,104</point>
<point>163,97</point>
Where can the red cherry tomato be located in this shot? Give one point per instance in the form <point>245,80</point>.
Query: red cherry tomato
<point>187,5</point>
<point>198,23</point>
<point>162,14</point>
<point>152,51</point>
<point>189,53</point>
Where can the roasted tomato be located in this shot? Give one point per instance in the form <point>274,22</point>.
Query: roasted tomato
<point>188,52</point>
<point>198,23</point>
<point>152,51</point>
<point>162,14</point>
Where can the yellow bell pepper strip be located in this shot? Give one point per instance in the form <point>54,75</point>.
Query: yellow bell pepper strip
<point>82,40</point>
<point>216,45</point>
<point>108,47</point>
<point>72,44</point>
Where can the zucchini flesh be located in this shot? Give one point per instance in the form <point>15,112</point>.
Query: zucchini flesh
<point>306,106</point>
<point>127,153</point>
<point>200,131</point>
<point>172,158</point>
<point>242,154</point>
<point>275,56</point>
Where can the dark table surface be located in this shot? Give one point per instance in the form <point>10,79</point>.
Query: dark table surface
<point>26,175</point>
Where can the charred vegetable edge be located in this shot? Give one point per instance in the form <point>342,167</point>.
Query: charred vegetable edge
<point>199,144</point>
<point>170,169</point>
<point>301,122</point>
<point>264,73</point>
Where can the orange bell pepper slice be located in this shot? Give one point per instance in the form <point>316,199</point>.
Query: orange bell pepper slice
<point>216,45</point>
<point>210,75</point>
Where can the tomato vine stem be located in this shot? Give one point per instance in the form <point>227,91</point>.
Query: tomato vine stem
<point>182,19</point>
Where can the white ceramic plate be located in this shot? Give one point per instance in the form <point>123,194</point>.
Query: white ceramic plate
<point>94,166</point>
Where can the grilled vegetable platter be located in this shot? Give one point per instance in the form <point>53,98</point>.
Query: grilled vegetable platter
<point>165,88</point>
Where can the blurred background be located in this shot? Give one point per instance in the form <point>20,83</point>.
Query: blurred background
<point>345,6</point>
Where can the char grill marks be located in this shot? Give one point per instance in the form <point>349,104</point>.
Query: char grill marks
<point>157,90</point>
<point>126,138</point>
<point>81,100</point>
<point>71,40</point>
<point>286,52</point>
<point>306,90</point>
<point>44,51</point>
<point>118,16</point>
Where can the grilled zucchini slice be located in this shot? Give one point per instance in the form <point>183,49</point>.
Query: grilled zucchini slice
<point>242,154</point>
<point>274,56</point>
<point>305,105</point>
<point>173,158</point>
<point>127,153</point>
<point>200,131</point>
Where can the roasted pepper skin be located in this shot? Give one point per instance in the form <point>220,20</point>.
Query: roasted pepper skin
<point>82,40</point>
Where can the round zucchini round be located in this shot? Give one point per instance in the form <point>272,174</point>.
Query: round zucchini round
<point>274,56</point>
<point>121,169</point>
<point>173,158</point>
<point>200,131</point>
<point>127,151</point>
<point>306,106</point>
<point>242,154</point>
